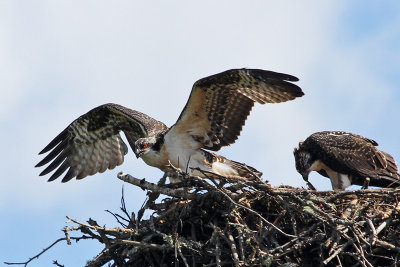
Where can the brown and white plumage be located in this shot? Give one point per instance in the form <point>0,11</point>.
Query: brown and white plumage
<point>218,105</point>
<point>346,159</point>
<point>212,118</point>
<point>92,143</point>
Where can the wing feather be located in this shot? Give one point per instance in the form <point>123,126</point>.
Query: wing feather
<point>71,173</point>
<point>352,154</point>
<point>56,162</point>
<point>218,105</point>
<point>59,138</point>
<point>94,162</point>
<point>103,159</point>
<point>64,166</point>
<point>92,143</point>
<point>54,153</point>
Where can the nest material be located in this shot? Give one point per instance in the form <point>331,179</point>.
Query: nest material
<point>225,222</point>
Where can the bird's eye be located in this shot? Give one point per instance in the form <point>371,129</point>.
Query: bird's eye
<point>145,146</point>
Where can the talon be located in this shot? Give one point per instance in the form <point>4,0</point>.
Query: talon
<point>366,183</point>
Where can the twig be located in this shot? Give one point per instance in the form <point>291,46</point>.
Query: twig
<point>123,206</point>
<point>101,259</point>
<point>217,253</point>
<point>383,225</point>
<point>58,264</point>
<point>337,252</point>
<point>383,191</point>
<point>25,263</point>
<point>118,217</point>
<point>106,230</point>
<point>178,247</point>
<point>232,245</point>
<point>153,187</point>
<point>294,240</point>
<point>374,234</point>
<point>152,196</point>
<point>252,211</point>
<point>387,245</point>
<point>67,237</point>
<point>140,244</point>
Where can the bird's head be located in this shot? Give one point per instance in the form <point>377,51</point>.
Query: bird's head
<point>144,145</point>
<point>304,161</point>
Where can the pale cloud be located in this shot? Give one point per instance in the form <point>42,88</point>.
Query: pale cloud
<point>63,58</point>
<point>12,81</point>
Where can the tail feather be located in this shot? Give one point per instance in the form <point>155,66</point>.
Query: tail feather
<point>391,165</point>
<point>244,170</point>
<point>386,173</point>
<point>388,181</point>
<point>390,176</point>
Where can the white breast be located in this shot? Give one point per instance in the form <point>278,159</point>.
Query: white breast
<point>339,181</point>
<point>180,150</point>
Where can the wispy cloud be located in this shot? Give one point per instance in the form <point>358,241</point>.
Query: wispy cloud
<point>63,58</point>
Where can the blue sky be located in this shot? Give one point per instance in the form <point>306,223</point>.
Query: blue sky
<point>59,59</point>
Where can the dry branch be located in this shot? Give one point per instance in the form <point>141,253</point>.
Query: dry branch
<point>224,221</point>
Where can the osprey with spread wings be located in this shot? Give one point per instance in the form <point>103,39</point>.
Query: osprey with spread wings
<point>212,118</point>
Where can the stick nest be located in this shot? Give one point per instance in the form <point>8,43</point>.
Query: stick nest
<point>234,222</point>
<point>225,222</point>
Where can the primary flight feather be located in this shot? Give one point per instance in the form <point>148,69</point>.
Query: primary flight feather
<point>213,117</point>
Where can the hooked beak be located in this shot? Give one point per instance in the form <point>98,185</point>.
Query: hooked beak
<point>305,178</point>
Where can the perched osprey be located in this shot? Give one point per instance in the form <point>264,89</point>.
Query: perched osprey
<point>346,159</point>
<point>212,118</point>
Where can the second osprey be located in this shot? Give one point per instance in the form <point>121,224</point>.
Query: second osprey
<point>346,159</point>
<point>212,118</point>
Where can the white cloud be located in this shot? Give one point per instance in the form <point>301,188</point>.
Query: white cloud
<point>64,58</point>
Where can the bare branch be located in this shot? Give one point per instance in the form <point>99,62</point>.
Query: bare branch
<point>142,183</point>
<point>25,263</point>
<point>218,221</point>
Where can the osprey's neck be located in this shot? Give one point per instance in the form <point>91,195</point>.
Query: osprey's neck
<point>156,156</point>
<point>317,165</point>
<point>159,142</point>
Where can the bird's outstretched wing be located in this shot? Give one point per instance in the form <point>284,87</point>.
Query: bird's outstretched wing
<point>92,143</point>
<point>351,153</point>
<point>218,105</point>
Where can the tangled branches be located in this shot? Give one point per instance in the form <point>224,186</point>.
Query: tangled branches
<point>227,221</point>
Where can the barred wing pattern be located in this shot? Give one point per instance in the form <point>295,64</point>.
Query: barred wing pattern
<point>92,143</point>
<point>354,154</point>
<point>218,105</point>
